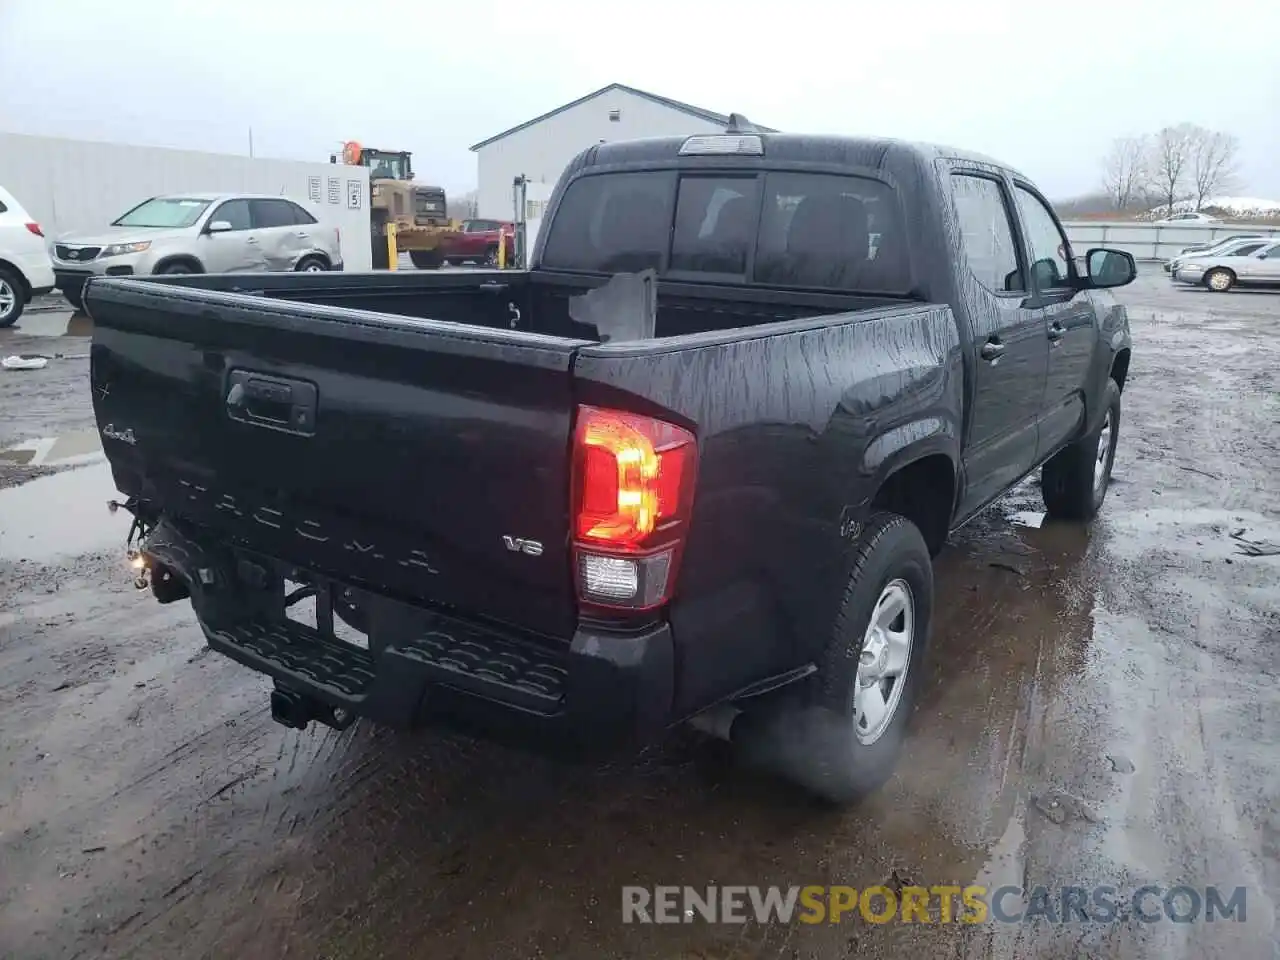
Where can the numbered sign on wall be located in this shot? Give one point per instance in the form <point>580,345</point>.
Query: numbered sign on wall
<point>355,191</point>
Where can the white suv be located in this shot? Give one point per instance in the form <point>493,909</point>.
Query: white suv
<point>25,268</point>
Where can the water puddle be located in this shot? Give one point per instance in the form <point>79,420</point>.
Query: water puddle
<point>1028,518</point>
<point>83,446</point>
<point>52,323</point>
<point>61,515</point>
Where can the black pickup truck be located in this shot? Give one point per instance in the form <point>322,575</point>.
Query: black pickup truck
<point>692,465</point>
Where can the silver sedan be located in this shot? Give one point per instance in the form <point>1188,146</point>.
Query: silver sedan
<point>1220,272</point>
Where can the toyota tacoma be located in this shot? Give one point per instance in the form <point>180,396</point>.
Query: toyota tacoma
<point>691,465</point>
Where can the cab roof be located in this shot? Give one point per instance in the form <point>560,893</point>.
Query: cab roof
<point>865,152</point>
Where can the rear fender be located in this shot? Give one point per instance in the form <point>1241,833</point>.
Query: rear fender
<point>909,442</point>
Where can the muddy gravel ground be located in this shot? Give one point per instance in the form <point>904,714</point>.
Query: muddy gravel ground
<point>1101,709</point>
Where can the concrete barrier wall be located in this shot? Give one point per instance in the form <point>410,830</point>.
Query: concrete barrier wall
<point>1150,241</point>
<point>78,184</point>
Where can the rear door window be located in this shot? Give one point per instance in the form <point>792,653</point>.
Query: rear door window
<point>272,213</point>
<point>613,223</point>
<point>986,233</point>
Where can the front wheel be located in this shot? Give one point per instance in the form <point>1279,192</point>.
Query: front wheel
<point>1220,280</point>
<point>1074,480</point>
<point>845,742</point>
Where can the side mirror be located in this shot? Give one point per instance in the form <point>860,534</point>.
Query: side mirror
<point>1110,268</point>
<point>218,226</point>
<point>1262,254</point>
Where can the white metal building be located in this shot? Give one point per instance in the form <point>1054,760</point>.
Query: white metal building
<point>74,184</point>
<point>541,148</point>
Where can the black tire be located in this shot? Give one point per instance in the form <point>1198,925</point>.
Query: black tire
<point>1219,280</point>
<point>818,746</point>
<point>1070,483</point>
<point>425,259</point>
<point>378,252</point>
<point>311,264</point>
<point>175,269</point>
<point>15,296</point>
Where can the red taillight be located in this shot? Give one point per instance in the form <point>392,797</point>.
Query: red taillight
<point>633,490</point>
<point>35,228</point>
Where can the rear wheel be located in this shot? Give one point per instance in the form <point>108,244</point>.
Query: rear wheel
<point>13,297</point>
<point>845,743</point>
<point>311,265</point>
<point>1220,280</point>
<point>378,255</point>
<point>1074,481</point>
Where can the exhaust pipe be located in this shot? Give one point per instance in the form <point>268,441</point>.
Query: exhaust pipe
<point>716,721</point>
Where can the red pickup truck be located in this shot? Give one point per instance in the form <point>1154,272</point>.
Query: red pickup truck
<point>477,242</point>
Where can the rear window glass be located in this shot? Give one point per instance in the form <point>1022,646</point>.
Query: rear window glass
<point>822,231</point>
<point>715,224</point>
<point>834,232</point>
<point>615,223</point>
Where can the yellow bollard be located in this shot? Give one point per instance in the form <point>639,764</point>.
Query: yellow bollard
<point>393,254</point>
<point>502,249</point>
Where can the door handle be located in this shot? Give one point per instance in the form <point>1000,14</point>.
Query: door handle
<point>1057,331</point>
<point>250,239</point>
<point>992,350</point>
<point>278,403</point>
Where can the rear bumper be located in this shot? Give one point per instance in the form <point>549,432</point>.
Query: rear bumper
<point>606,689</point>
<point>37,268</point>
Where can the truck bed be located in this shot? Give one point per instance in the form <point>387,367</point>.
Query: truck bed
<point>534,302</point>
<point>280,423</point>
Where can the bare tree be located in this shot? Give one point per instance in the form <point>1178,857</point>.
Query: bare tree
<point>1124,170</point>
<point>1170,160</point>
<point>1214,163</point>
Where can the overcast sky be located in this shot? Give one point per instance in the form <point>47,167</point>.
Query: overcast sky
<point>1044,86</point>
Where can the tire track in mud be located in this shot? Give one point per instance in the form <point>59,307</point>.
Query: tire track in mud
<point>1178,818</point>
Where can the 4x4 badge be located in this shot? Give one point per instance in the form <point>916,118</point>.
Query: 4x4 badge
<point>124,436</point>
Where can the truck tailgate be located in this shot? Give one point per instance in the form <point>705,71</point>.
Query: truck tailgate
<point>424,460</point>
